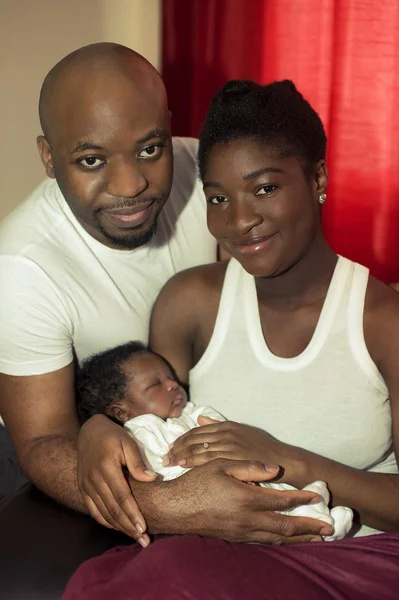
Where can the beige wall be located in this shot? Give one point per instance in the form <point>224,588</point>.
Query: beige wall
<point>34,35</point>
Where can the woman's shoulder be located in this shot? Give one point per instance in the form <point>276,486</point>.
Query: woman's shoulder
<point>381,320</point>
<point>189,293</point>
<point>202,279</point>
<point>381,299</point>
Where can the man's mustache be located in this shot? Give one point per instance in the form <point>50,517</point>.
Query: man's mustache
<point>129,203</point>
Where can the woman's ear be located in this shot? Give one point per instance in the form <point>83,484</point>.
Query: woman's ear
<point>321,177</point>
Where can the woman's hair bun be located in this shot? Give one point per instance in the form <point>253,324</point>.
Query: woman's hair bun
<point>237,87</point>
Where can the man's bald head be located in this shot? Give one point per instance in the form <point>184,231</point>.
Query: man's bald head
<point>90,70</point>
<point>107,141</point>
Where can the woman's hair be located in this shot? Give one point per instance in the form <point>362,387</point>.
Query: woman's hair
<point>276,114</point>
<point>100,381</point>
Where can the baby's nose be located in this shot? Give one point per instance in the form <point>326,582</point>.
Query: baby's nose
<point>171,384</point>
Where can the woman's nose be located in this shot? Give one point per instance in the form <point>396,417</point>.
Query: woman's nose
<point>243,217</point>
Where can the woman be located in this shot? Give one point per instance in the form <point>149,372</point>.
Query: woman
<point>289,339</point>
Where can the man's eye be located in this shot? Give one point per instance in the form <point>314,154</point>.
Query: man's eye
<point>266,189</point>
<point>151,151</point>
<point>217,200</point>
<point>91,162</point>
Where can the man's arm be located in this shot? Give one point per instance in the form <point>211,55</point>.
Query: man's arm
<point>214,500</point>
<point>37,403</point>
<point>40,417</point>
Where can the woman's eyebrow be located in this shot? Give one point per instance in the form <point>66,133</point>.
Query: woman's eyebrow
<point>262,172</point>
<point>252,175</point>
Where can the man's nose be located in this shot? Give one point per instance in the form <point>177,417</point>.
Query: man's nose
<point>126,180</point>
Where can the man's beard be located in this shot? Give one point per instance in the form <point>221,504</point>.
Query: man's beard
<point>129,242</point>
<point>135,239</point>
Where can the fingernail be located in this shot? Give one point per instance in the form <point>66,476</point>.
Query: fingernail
<point>139,528</point>
<point>143,542</point>
<point>316,539</point>
<point>272,468</point>
<point>326,531</point>
<point>149,472</point>
<point>316,500</point>
<point>182,462</point>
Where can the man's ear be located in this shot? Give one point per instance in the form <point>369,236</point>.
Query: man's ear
<point>46,155</point>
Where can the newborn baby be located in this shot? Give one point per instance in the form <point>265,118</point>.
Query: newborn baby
<point>137,389</point>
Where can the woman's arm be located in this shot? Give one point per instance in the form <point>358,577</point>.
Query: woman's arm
<point>184,314</point>
<point>171,326</point>
<point>374,495</point>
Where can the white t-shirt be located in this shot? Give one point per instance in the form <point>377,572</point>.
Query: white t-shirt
<point>60,289</point>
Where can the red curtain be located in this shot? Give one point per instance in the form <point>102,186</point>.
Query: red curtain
<point>343,56</point>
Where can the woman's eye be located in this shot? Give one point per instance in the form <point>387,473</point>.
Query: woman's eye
<point>217,200</point>
<point>151,151</point>
<point>266,189</point>
<point>91,162</point>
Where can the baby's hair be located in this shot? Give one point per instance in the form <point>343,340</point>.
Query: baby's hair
<point>100,381</point>
<point>275,114</point>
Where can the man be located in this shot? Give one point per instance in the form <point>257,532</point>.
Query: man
<point>82,261</point>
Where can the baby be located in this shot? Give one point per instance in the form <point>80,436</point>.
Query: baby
<point>137,389</point>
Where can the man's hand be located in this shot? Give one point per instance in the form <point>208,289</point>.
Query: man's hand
<point>104,450</point>
<point>213,500</point>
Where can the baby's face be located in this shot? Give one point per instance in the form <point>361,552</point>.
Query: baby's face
<point>151,388</point>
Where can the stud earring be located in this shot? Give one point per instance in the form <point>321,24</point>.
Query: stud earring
<point>322,198</point>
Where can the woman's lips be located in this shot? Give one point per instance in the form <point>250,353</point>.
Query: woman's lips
<point>255,245</point>
<point>129,217</point>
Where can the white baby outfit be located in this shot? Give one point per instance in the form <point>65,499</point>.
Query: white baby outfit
<point>154,435</point>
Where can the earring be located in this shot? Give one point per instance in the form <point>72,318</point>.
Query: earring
<point>322,198</point>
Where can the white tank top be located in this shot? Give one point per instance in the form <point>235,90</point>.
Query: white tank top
<point>330,399</point>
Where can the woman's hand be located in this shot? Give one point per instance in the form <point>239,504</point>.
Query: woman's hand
<point>224,439</point>
<point>105,449</point>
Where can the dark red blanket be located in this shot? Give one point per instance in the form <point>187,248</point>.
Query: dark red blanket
<point>196,568</point>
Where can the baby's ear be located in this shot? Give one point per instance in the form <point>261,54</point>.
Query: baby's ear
<point>118,413</point>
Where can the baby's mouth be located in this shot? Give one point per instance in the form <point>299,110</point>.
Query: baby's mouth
<point>178,400</point>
